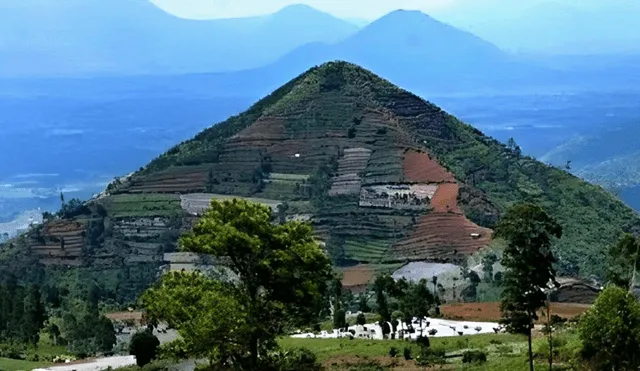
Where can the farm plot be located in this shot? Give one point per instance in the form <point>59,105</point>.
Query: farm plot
<point>491,311</point>
<point>179,179</point>
<point>420,167</point>
<point>59,240</point>
<point>445,198</point>
<point>385,166</point>
<point>141,205</point>
<point>350,166</point>
<point>398,196</point>
<point>442,237</point>
<point>198,203</point>
<point>282,186</point>
<point>357,277</point>
<point>141,228</point>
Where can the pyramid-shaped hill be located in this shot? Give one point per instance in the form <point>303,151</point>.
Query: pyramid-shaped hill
<point>384,176</point>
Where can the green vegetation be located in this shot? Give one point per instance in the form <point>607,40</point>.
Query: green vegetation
<point>278,278</point>
<point>141,205</point>
<point>610,331</point>
<point>528,260</point>
<point>144,346</point>
<point>8,364</point>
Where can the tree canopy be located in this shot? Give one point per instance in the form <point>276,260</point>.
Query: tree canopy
<point>528,260</point>
<point>610,331</point>
<point>277,276</point>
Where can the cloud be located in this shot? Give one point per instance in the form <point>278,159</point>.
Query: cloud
<point>369,9</point>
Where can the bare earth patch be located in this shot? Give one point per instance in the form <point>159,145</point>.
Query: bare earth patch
<point>491,311</point>
<point>419,167</point>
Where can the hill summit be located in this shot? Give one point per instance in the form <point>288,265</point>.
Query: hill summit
<point>384,177</point>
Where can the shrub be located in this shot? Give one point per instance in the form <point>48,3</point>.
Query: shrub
<point>298,359</point>
<point>474,356</point>
<point>430,357</point>
<point>610,330</point>
<point>393,352</point>
<point>361,319</point>
<point>144,346</point>
<point>504,350</point>
<point>423,342</point>
<point>407,353</point>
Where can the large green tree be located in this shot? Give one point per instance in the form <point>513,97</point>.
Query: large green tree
<point>623,261</point>
<point>277,277</point>
<point>610,331</point>
<point>528,260</point>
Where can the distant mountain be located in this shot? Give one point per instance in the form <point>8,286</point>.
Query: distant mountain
<point>76,37</point>
<point>421,53</point>
<point>563,27</point>
<point>609,156</point>
<point>383,176</point>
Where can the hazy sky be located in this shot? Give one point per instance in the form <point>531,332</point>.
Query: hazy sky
<point>459,11</point>
<point>369,9</point>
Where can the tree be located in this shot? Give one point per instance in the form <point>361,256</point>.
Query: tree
<point>623,261</point>
<point>277,276</point>
<point>339,319</point>
<point>487,266</point>
<point>610,331</point>
<point>54,332</point>
<point>381,285</point>
<point>144,346</point>
<point>416,301</point>
<point>34,315</point>
<point>515,148</point>
<point>528,261</point>
<point>363,304</point>
<point>339,313</point>
<point>361,319</point>
<point>470,292</point>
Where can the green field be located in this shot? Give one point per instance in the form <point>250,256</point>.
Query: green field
<point>7,364</point>
<point>504,352</point>
<point>45,352</point>
<point>141,205</point>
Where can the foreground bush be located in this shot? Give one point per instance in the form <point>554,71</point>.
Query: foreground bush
<point>610,331</point>
<point>474,356</point>
<point>299,359</point>
<point>144,346</point>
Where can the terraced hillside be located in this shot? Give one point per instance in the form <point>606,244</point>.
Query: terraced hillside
<point>384,177</point>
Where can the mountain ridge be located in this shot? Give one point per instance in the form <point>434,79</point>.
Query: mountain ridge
<point>70,38</point>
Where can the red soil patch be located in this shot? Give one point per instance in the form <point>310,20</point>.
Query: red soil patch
<point>356,278</point>
<point>490,312</point>
<point>419,167</point>
<point>445,234</point>
<point>446,198</point>
<point>443,237</point>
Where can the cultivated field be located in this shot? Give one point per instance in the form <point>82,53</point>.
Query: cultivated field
<point>491,311</point>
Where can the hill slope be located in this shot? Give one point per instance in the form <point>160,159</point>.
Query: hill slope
<point>384,176</point>
<point>76,37</point>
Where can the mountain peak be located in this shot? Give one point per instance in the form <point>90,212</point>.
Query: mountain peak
<point>298,11</point>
